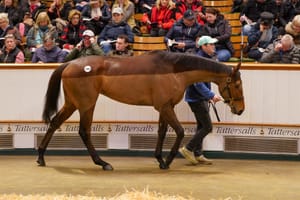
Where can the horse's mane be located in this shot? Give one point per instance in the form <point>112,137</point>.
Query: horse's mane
<point>189,62</point>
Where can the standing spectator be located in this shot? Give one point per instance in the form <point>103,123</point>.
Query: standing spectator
<point>198,97</point>
<point>293,28</point>
<point>128,11</point>
<point>49,52</point>
<point>218,27</point>
<point>282,51</point>
<point>72,33</point>
<point>36,34</point>
<point>252,10</point>
<point>161,17</point>
<point>96,15</point>
<point>182,36</point>
<point>112,30</point>
<point>88,46</point>
<point>122,47</point>
<point>194,5</point>
<point>261,35</point>
<point>10,52</point>
<point>10,7</point>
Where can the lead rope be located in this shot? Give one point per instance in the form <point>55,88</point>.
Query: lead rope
<point>215,110</point>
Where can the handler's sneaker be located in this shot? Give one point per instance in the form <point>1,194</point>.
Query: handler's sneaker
<point>188,155</point>
<point>202,160</point>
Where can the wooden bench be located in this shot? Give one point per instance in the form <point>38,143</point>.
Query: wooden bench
<point>224,6</point>
<point>144,44</point>
<point>234,21</point>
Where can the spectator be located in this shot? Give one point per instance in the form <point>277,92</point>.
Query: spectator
<point>49,52</point>
<point>6,28</point>
<point>261,35</point>
<point>88,46</point>
<point>72,32</point>
<point>112,30</point>
<point>289,9</point>
<point>198,97</point>
<point>128,11</point>
<point>252,10</point>
<point>59,9</point>
<point>34,7</point>
<point>144,6</point>
<point>218,27</point>
<point>24,26</point>
<point>10,7</point>
<point>161,17</point>
<point>122,47</point>
<point>293,28</point>
<point>195,5</point>
<point>282,51</point>
<point>42,27</point>
<point>182,35</point>
<point>96,15</point>
<point>10,52</point>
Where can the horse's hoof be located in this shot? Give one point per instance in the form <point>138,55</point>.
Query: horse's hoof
<point>41,162</point>
<point>163,166</point>
<point>108,167</point>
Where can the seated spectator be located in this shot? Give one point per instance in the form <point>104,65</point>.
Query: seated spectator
<point>195,5</point>
<point>252,10</point>
<point>36,34</point>
<point>6,28</point>
<point>218,27</point>
<point>10,52</point>
<point>261,35</point>
<point>144,6</point>
<point>24,26</point>
<point>72,33</point>
<point>182,35</point>
<point>282,51</point>
<point>207,47</point>
<point>59,9</point>
<point>112,30</point>
<point>161,17</point>
<point>34,7</point>
<point>96,15</point>
<point>293,28</point>
<point>122,47</point>
<point>289,9</point>
<point>11,8</point>
<point>88,46</point>
<point>49,52</point>
<point>128,11</point>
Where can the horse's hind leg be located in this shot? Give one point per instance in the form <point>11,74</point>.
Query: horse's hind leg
<point>85,134</point>
<point>55,123</point>
<point>162,129</point>
<point>169,116</point>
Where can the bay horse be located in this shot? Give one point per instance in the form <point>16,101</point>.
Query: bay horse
<point>156,79</point>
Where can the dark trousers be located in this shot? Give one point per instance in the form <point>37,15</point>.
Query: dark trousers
<point>204,126</point>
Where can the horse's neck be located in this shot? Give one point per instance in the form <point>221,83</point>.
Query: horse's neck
<point>203,76</point>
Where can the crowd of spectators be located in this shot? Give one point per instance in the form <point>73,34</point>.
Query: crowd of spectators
<point>39,29</point>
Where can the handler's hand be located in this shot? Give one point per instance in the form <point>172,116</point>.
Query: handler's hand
<point>216,98</point>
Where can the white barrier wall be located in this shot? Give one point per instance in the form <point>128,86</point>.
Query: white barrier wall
<point>271,96</point>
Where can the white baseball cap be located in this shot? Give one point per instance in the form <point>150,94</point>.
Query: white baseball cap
<point>88,33</point>
<point>206,40</point>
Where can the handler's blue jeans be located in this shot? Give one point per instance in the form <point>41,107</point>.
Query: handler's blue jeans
<point>204,126</point>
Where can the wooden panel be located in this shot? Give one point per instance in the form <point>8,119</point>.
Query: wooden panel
<point>149,40</point>
<point>217,3</point>
<point>232,16</point>
<point>149,47</point>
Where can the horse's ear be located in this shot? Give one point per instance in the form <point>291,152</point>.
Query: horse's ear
<point>237,68</point>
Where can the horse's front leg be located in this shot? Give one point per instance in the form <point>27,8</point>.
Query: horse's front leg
<point>170,117</point>
<point>55,123</point>
<point>85,134</point>
<point>162,129</point>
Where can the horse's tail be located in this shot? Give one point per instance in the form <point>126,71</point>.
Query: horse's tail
<point>51,98</point>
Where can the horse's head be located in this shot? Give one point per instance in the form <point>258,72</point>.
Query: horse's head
<point>231,89</point>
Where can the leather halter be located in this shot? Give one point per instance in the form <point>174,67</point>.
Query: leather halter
<point>230,100</point>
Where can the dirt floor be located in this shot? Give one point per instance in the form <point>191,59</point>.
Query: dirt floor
<point>237,179</point>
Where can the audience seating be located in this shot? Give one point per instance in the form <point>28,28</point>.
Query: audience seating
<point>234,21</point>
<point>144,44</point>
<point>224,6</point>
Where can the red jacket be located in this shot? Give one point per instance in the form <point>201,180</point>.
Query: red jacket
<point>196,6</point>
<point>163,16</point>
